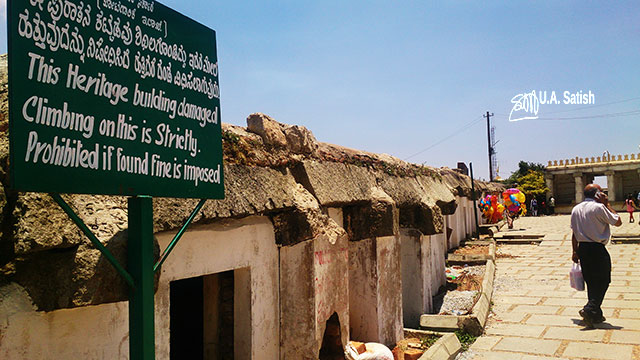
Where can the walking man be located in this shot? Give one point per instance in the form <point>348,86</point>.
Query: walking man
<point>590,222</point>
<point>552,205</point>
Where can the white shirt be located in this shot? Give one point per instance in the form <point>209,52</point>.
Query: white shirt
<point>590,221</point>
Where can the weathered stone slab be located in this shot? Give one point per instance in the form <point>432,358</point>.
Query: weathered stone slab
<point>248,191</point>
<point>335,184</point>
<point>417,209</point>
<point>439,192</point>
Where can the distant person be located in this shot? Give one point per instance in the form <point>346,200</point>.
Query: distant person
<point>638,199</point>
<point>534,207</point>
<point>543,208</point>
<point>552,205</point>
<point>509,216</point>
<point>630,207</point>
<point>590,222</point>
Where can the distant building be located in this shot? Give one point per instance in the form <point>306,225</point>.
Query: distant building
<point>567,178</point>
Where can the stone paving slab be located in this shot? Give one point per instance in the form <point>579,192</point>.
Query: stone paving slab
<point>573,311</point>
<point>626,337</point>
<point>536,312</point>
<point>518,300</point>
<point>599,351</point>
<point>511,317</point>
<point>486,342</point>
<point>559,320</point>
<point>519,329</point>
<point>537,309</point>
<point>535,346</point>
<point>574,333</point>
<point>630,314</point>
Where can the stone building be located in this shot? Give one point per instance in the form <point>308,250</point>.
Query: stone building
<point>567,178</point>
<point>313,245</point>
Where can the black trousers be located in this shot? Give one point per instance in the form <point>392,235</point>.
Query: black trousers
<point>596,270</point>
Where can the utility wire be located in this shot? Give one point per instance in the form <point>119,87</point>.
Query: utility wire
<point>600,116</point>
<point>463,128</point>
<point>586,107</point>
<point>585,117</point>
<point>595,106</point>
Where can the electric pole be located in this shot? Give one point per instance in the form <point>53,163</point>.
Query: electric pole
<point>489,144</point>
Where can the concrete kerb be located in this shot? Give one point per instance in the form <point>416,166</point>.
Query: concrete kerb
<point>519,239</point>
<point>491,229</point>
<point>474,323</point>
<point>445,348</point>
<point>625,239</point>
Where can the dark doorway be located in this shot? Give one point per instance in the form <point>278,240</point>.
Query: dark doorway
<point>332,348</point>
<point>202,317</point>
<point>186,311</point>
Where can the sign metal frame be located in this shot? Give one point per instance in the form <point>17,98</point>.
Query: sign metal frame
<point>37,88</point>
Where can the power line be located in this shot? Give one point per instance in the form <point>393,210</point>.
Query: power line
<point>595,106</point>
<point>599,116</point>
<point>463,128</point>
<point>586,117</point>
<point>586,107</point>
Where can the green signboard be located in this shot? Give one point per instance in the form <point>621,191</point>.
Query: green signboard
<point>113,97</point>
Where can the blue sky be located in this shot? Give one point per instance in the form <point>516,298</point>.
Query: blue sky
<point>397,77</point>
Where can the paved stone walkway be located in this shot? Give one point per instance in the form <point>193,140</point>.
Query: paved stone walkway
<point>535,311</point>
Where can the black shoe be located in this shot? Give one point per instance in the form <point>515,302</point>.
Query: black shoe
<point>600,320</point>
<point>586,318</point>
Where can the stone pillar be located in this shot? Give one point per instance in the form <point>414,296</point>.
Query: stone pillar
<point>417,276</point>
<point>579,187</point>
<point>611,185</point>
<point>549,180</point>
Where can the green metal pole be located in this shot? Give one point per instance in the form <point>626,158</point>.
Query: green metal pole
<point>473,196</point>
<point>140,265</point>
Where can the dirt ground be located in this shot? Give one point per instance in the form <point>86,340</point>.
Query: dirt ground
<point>473,250</point>
<point>467,282</point>
<point>413,348</point>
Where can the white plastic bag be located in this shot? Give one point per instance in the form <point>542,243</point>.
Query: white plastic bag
<point>575,277</point>
<point>374,351</point>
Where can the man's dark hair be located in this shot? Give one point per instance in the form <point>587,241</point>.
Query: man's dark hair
<point>591,192</point>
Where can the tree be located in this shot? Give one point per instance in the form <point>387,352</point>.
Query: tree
<point>523,169</point>
<point>533,185</point>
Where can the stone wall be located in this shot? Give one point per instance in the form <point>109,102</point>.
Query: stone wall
<point>630,182</point>
<point>565,189</point>
<point>309,230</point>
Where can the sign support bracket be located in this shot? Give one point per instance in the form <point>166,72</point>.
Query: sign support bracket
<point>176,238</point>
<point>140,261</point>
<point>94,240</point>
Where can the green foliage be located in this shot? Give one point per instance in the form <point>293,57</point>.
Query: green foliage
<point>523,169</point>
<point>465,339</point>
<point>427,341</point>
<point>532,184</point>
